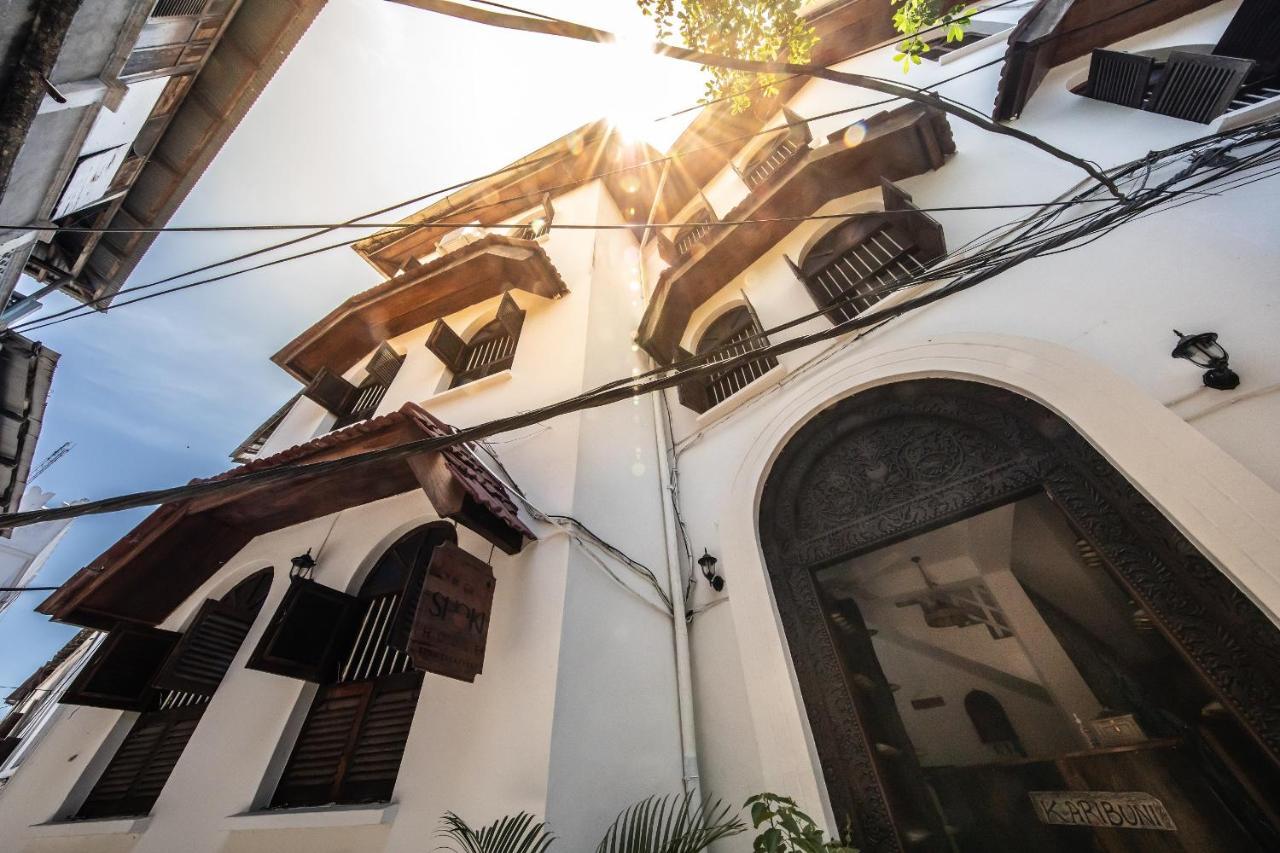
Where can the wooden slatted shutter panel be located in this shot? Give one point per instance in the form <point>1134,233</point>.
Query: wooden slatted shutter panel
<point>204,654</point>
<point>324,745</point>
<point>1119,78</point>
<point>331,391</point>
<point>370,774</point>
<point>120,673</point>
<point>511,316</point>
<point>417,557</point>
<point>1199,87</point>
<point>1254,33</point>
<point>309,632</point>
<point>138,771</point>
<point>384,365</point>
<point>917,230</point>
<point>446,345</point>
<point>692,393</point>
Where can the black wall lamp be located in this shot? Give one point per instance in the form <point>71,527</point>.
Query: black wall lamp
<point>708,564</point>
<point>302,565</point>
<point>1203,350</point>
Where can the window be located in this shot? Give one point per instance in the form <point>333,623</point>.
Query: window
<point>177,8</point>
<point>492,349</point>
<point>733,333</point>
<point>538,225</point>
<point>350,745</point>
<point>778,153</point>
<point>975,32</point>
<point>355,403</point>
<point>859,263</point>
<point>252,446</point>
<point>1242,69</point>
<point>170,678</point>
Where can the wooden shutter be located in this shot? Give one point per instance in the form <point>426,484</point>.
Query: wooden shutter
<point>120,673</point>
<point>141,766</point>
<point>1119,78</point>
<point>384,365</point>
<point>510,316</point>
<point>920,230</point>
<point>308,633</point>
<point>417,557</point>
<point>1254,33</point>
<point>324,745</point>
<point>7,746</point>
<point>692,393</point>
<point>1199,87</point>
<point>204,654</point>
<point>446,345</point>
<point>331,391</point>
<point>371,770</point>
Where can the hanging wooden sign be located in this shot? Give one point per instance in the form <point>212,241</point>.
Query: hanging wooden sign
<point>1111,809</point>
<point>451,623</point>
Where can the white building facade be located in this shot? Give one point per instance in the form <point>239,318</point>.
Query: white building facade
<point>997,573</point>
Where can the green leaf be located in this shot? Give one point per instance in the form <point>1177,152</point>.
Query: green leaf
<point>676,823</point>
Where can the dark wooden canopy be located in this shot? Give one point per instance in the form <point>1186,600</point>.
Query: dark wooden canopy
<point>1057,31</point>
<point>897,144</point>
<point>486,268</point>
<point>163,560</point>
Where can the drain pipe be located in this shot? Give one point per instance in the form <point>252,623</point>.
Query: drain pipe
<point>665,446</point>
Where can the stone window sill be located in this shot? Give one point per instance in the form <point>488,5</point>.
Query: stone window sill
<point>471,387</point>
<point>735,401</point>
<point>364,814</point>
<point>100,826</point>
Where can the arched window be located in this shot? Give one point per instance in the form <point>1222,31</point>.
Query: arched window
<point>856,265</point>
<point>172,700</point>
<point>992,723</point>
<point>693,233</point>
<point>733,333</point>
<point>350,745</point>
<point>490,350</point>
<point>379,375</point>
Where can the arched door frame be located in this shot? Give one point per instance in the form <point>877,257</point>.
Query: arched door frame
<point>1179,472</point>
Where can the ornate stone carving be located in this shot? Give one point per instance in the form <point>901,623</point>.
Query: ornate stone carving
<point>902,459</point>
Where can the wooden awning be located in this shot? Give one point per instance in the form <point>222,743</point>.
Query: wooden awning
<point>1058,31</point>
<point>897,144</point>
<point>423,293</point>
<point>153,569</point>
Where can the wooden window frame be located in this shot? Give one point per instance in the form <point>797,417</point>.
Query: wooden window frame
<point>491,349</point>
<point>706,392</point>
<point>776,156</point>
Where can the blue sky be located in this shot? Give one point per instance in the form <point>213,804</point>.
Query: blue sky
<point>378,103</point>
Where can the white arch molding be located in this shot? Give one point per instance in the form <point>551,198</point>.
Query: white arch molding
<point>1227,512</point>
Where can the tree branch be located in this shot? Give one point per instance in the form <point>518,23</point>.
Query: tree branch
<point>580,32</point>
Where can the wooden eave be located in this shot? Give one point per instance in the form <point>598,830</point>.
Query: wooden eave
<point>166,558</point>
<point>1057,31</point>
<point>563,165</point>
<point>246,55</point>
<point>473,273</point>
<point>907,141</point>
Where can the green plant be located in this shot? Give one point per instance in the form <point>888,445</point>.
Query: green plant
<point>763,30</point>
<point>912,16</point>
<point>672,824</point>
<point>511,834</point>
<point>787,829</point>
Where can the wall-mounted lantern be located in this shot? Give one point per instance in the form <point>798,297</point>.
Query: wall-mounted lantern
<point>1204,351</point>
<point>302,566</point>
<point>708,565</point>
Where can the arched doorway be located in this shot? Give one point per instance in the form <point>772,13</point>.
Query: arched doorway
<point>898,467</point>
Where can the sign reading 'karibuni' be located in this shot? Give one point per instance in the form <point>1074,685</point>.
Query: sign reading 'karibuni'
<point>1130,810</point>
<point>452,620</point>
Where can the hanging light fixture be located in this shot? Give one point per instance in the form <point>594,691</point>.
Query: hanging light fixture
<point>302,566</point>
<point>708,565</point>
<point>1204,351</point>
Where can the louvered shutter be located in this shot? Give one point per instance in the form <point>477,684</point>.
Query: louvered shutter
<point>204,654</point>
<point>693,392</point>
<point>331,391</point>
<point>417,560</point>
<point>446,345</point>
<point>510,316</point>
<point>384,365</point>
<point>324,745</point>
<point>307,634</point>
<point>370,774</point>
<point>7,746</point>
<point>1199,87</point>
<point>120,673</point>
<point>1254,33</point>
<point>917,229</point>
<point>1119,78</point>
<point>138,771</point>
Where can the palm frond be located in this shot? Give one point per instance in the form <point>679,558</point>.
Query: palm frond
<point>511,834</point>
<point>671,824</point>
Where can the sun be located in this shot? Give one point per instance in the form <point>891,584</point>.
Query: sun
<point>635,94</point>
